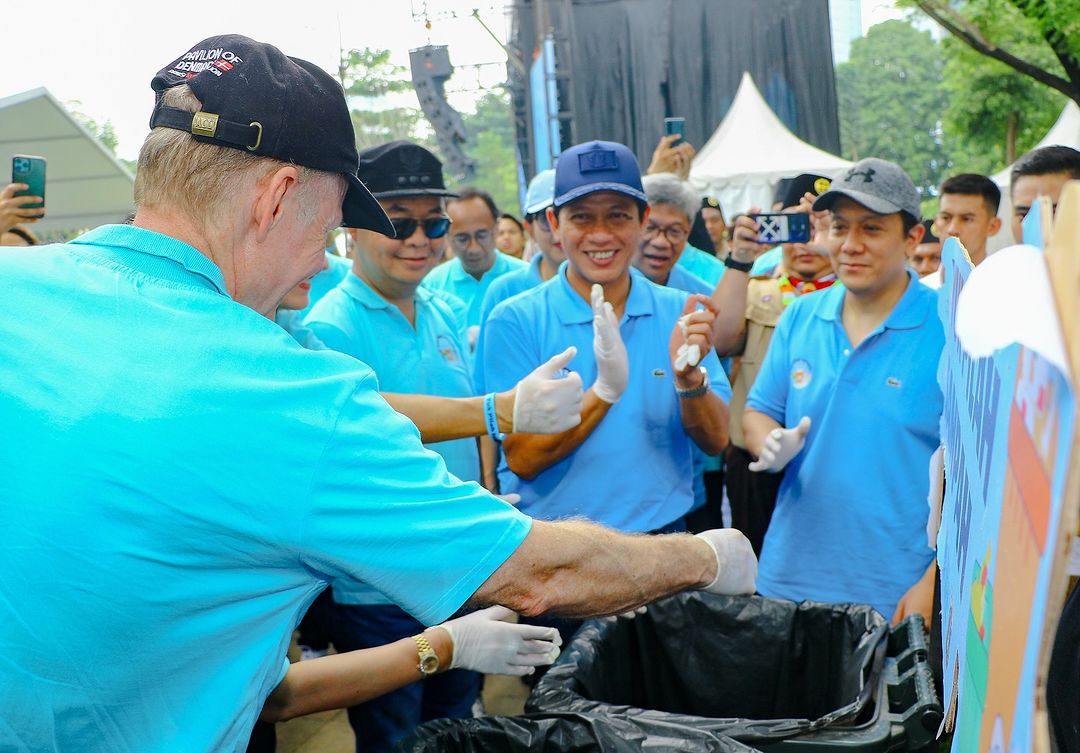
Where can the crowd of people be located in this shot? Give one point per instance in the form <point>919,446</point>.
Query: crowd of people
<point>220,429</point>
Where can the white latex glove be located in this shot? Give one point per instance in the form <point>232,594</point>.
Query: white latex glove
<point>484,643</point>
<point>781,446</point>
<point>612,366</point>
<point>545,402</point>
<point>736,565</point>
<point>510,499</point>
<point>686,355</point>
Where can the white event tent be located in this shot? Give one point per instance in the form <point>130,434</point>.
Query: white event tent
<point>85,186</point>
<point>750,151</point>
<point>1064,132</point>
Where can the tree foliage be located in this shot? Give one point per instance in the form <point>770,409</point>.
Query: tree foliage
<point>490,141</point>
<point>993,27</point>
<point>890,96</point>
<point>368,74</point>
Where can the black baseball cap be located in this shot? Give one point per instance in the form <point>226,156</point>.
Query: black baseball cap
<point>401,168</point>
<point>256,98</point>
<point>930,236</point>
<point>791,190</point>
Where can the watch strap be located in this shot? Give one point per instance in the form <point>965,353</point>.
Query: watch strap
<point>742,266</point>
<point>425,654</point>
<point>698,391</point>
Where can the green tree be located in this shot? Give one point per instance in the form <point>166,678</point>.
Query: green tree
<point>995,113</point>
<point>368,75</point>
<point>890,97</point>
<point>993,27</point>
<point>490,141</point>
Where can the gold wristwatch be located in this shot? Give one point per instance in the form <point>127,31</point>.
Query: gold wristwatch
<point>429,660</point>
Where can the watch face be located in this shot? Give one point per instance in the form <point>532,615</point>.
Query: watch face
<point>429,664</point>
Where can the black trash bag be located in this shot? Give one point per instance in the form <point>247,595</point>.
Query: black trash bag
<point>751,668</point>
<point>561,733</point>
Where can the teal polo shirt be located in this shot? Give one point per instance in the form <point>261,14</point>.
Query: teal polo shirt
<point>177,472</point>
<point>701,264</point>
<point>507,286</point>
<point>452,278</point>
<point>634,472</point>
<point>428,359</point>
<point>850,518</point>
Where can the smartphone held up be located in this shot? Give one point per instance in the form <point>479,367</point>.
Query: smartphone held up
<point>29,169</point>
<point>782,228</point>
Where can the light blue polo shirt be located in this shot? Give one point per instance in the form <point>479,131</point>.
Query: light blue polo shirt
<point>452,278</point>
<point>507,286</point>
<point>634,471</point>
<point>177,472</point>
<point>681,279</point>
<point>850,519</point>
<point>293,323</point>
<point>338,268</point>
<point>428,359</point>
<point>702,265</point>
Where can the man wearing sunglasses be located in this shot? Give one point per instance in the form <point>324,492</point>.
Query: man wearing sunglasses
<point>413,340</point>
<point>476,263</point>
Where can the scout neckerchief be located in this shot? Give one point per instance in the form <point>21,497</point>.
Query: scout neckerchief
<point>792,289</point>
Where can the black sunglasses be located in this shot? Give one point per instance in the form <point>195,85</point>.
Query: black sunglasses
<point>435,227</point>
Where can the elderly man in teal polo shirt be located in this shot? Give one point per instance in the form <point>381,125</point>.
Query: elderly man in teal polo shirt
<point>178,472</point>
<point>847,401</point>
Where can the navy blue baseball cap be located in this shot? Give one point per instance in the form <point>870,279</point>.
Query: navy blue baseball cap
<point>597,166</point>
<point>256,98</point>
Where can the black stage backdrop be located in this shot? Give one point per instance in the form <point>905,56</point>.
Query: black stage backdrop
<point>635,62</point>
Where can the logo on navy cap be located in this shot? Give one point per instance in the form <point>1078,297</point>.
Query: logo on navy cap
<point>596,160</point>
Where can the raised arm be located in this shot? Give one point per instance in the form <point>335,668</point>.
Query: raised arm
<point>729,327</point>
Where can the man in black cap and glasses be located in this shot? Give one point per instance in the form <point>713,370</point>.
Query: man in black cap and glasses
<point>178,472</point>
<point>415,343</point>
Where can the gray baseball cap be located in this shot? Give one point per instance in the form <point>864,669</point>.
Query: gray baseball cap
<point>878,185</point>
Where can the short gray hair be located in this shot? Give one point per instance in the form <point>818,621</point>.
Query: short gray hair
<point>197,178</point>
<point>669,188</point>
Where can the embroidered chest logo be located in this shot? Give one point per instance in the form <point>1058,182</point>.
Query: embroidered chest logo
<point>447,349</point>
<point>894,382</point>
<point>801,374</point>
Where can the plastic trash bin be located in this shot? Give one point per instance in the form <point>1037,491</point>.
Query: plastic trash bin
<point>560,733</point>
<point>774,674</point>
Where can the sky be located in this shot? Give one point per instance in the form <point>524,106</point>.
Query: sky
<point>103,54</point>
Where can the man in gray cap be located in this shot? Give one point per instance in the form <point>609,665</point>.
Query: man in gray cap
<point>847,401</point>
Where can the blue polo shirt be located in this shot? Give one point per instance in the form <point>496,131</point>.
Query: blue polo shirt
<point>178,472</point>
<point>452,278</point>
<point>681,279</point>
<point>293,323</point>
<point>634,471</point>
<point>767,263</point>
<point>505,287</point>
<point>701,264</point>
<point>850,519</point>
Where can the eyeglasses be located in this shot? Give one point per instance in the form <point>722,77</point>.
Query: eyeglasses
<point>461,241</point>
<point>435,227</point>
<point>675,234</point>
